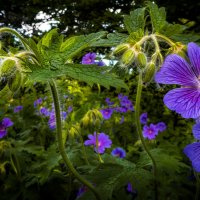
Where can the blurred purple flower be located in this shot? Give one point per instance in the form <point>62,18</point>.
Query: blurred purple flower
<point>52,120</point>
<point>192,151</point>
<point>196,131</point>
<point>143,118</point>
<point>176,70</point>
<point>106,113</point>
<point>89,58</point>
<point>4,124</point>
<point>129,187</point>
<point>109,102</point>
<point>44,111</point>
<point>100,63</point>
<point>161,126</point>
<point>102,140</point>
<point>18,109</point>
<point>150,132</point>
<point>70,109</point>
<point>121,109</point>
<point>37,102</point>
<point>118,152</point>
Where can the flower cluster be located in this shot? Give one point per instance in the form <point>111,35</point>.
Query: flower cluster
<point>125,105</point>
<point>4,124</point>
<point>152,130</point>
<point>89,59</point>
<point>100,142</point>
<point>45,112</point>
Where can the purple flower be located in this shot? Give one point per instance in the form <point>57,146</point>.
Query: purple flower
<point>107,113</point>
<point>143,118</point>
<point>102,140</point>
<point>150,132</point>
<point>109,102</point>
<point>121,109</point>
<point>129,187</point>
<point>100,63</point>
<point>52,120</point>
<point>176,70</point>
<point>89,58</point>
<point>18,109</point>
<point>125,103</point>
<point>196,131</point>
<point>161,126</point>
<point>44,111</point>
<point>118,152</point>
<point>37,102</point>
<point>4,124</point>
<point>70,109</point>
<point>192,151</point>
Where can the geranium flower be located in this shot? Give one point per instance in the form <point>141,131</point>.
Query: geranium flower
<point>176,70</point>
<point>18,109</point>
<point>118,152</point>
<point>143,118</point>
<point>196,131</point>
<point>150,132</point>
<point>107,113</point>
<point>102,140</point>
<point>89,58</point>
<point>161,126</point>
<point>4,124</point>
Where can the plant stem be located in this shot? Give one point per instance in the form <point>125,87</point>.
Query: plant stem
<point>60,141</point>
<point>139,131</point>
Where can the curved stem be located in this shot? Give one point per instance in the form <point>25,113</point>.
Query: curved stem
<point>139,130</point>
<point>166,39</point>
<point>60,141</point>
<point>12,31</point>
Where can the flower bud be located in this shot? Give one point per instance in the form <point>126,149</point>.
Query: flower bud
<point>14,82</point>
<point>149,73</point>
<point>121,48</point>
<point>8,68</point>
<point>128,57</point>
<point>142,60</point>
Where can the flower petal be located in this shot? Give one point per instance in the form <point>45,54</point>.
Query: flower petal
<point>192,151</point>
<point>196,131</point>
<point>194,56</point>
<point>176,70</point>
<point>185,101</point>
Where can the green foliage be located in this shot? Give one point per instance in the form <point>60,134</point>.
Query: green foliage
<point>135,21</point>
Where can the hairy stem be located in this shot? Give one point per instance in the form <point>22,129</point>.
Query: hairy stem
<point>61,145</point>
<point>139,131</point>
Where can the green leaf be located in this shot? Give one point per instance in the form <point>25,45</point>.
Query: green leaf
<point>158,16</point>
<point>186,38</point>
<point>135,20</point>
<point>113,39</point>
<point>88,73</point>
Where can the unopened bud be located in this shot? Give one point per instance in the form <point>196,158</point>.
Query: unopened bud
<point>149,73</point>
<point>128,57</point>
<point>14,82</point>
<point>8,68</point>
<point>121,48</point>
<point>142,60</point>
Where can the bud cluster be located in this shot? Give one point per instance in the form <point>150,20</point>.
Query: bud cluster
<point>92,118</point>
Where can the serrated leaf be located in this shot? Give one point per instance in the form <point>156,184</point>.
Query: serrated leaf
<point>88,73</point>
<point>135,20</point>
<point>47,38</point>
<point>158,16</point>
<point>113,39</point>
